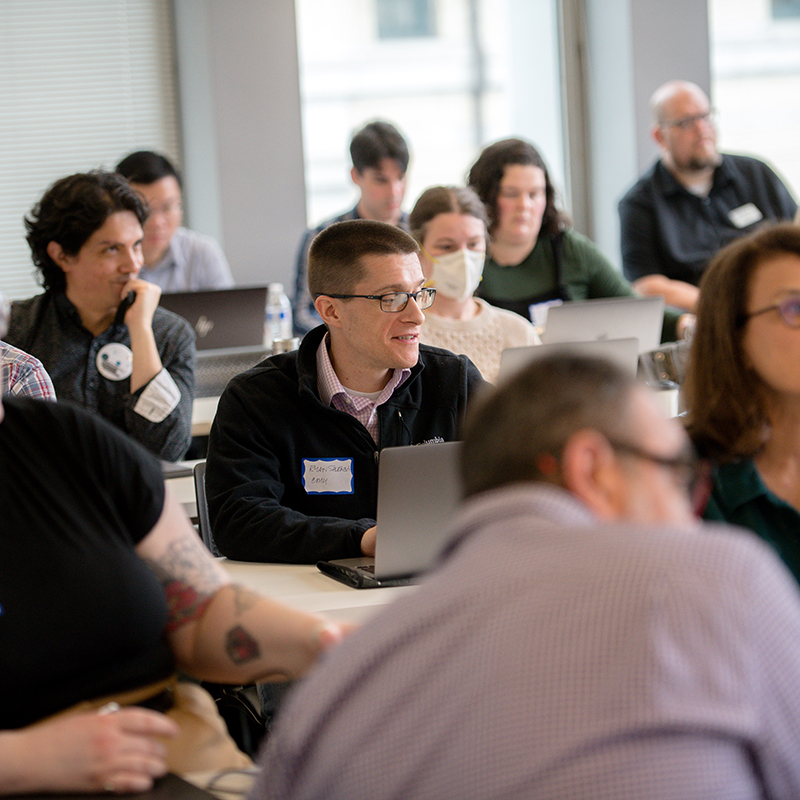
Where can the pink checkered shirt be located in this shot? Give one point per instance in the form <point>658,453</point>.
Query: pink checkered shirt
<point>332,393</point>
<point>22,374</point>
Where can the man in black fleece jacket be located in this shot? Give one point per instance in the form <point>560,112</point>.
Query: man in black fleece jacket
<point>292,468</point>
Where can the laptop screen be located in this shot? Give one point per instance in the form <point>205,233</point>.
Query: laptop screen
<point>624,352</point>
<point>613,318</point>
<point>418,495</point>
<point>222,318</point>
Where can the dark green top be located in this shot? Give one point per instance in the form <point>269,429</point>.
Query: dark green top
<point>740,497</point>
<point>585,274</point>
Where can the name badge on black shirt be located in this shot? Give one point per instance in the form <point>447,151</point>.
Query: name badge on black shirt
<point>328,475</point>
<point>745,216</point>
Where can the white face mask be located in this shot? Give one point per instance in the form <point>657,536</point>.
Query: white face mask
<point>457,274</point>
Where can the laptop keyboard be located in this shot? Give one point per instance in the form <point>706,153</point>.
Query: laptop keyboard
<point>213,372</point>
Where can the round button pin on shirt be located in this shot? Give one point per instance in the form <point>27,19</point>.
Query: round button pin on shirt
<point>115,361</point>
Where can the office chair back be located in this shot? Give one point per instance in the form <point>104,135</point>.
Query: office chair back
<point>203,523</point>
<point>239,706</point>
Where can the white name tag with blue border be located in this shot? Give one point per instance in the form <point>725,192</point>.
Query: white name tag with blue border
<point>328,475</point>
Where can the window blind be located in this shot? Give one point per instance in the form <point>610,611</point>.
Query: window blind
<point>82,83</point>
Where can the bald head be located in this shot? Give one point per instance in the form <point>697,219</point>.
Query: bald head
<point>683,128</point>
<point>674,93</point>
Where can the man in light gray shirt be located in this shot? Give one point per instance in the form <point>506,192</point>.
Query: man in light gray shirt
<point>584,636</point>
<point>175,258</point>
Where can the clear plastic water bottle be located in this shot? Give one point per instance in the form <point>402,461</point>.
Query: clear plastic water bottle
<point>278,321</point>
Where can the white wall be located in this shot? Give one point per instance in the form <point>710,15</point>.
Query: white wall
<point>632,46</point>
<point>237,62</point>
<point>537,86</point>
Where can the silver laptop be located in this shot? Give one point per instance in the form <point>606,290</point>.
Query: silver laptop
<point>229,326</point>
<point>418,495</point>
<point>609,318</point>
<point>624,352</point>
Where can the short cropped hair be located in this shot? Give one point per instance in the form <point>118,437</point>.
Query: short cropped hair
<point>145,167</point>
<point>535,412</point>
<point>376,141</point>
<point>336,256</point>
<point>725,398</point>
<point>70,211</point>
<point>444,200</point>
<point>487,172</point>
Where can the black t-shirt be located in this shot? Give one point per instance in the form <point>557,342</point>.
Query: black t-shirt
<point>81,615</point>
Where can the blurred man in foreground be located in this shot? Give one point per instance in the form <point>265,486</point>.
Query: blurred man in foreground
<point>583,637</point>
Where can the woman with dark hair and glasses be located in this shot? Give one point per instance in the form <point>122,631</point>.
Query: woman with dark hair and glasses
<point>97,328</point>
<point>535,258</point>
<point>742,388</point>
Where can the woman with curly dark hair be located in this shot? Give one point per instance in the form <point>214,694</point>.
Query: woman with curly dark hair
<point>535,257</point>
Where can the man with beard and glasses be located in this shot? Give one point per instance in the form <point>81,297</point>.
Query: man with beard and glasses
<point>693,201</point>
<point>583,636</point>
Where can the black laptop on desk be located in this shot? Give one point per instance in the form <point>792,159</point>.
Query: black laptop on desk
<point>419,493</point>
<point>229,326</point>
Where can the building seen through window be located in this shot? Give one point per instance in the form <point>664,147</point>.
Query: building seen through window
<point>445,72</point>
<point>755,74</point>
<point>398,18</point>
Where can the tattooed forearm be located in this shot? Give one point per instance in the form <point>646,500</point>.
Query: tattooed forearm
<point>187,560</point>
<point>243,599</point>
<point>240,646</point>
<point>184,604</point>
<point>188,579</point>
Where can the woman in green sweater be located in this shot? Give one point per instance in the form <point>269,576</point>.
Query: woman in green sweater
<point>536,259</point>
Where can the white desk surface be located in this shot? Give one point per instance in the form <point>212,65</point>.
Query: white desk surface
<point>203,411</point>
<point>183,488</point>
<point>303,586</point>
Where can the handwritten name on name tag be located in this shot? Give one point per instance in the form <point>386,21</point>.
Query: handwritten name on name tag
<point>328,475</point>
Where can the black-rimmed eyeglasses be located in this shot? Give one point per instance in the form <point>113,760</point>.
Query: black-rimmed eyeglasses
<point>393,302</point>
<point>691,472</point>
<point>788,308</point>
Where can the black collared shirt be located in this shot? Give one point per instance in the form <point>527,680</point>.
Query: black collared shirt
<point>49,327</point>
<point>666,229</point>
